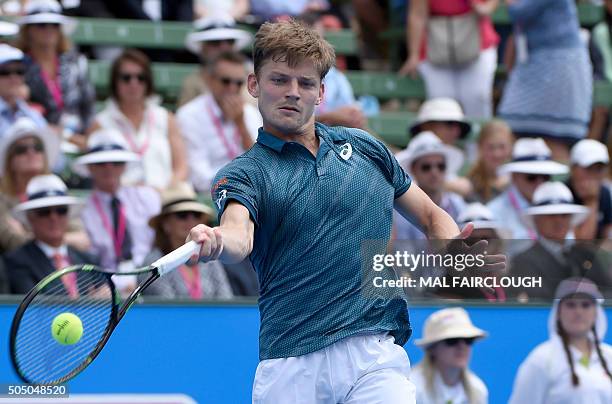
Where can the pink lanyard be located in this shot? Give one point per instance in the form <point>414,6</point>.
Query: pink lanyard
<point>517,208</point>
<point>195,284</point>
<point>116,237</point>
<point>54,85</point>
<point>231,150</point>
<point>127,134</point>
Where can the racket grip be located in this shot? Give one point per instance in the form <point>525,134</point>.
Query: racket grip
<point>176,258</point>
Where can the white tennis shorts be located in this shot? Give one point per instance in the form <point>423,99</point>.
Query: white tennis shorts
<point>364,369</point>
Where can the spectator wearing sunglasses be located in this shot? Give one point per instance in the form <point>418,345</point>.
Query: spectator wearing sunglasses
<point>149,129</point>
<point>443,376</point>
<point>531,165</point>
<point>589,164</point>
<point>180,212</point>
<point>574,365</point>
<point>553,215</point>
<point>47,210</point>
<point>56,74</point>
<point>12,104</point>
<point>429,162</point>
<point>212,35</point>
<point>218,126</point>
<point>116,216</point>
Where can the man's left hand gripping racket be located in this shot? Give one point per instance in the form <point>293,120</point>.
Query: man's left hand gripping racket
<point>38,356</point>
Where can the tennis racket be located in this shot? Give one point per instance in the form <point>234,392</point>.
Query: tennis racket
<point>36,356</point>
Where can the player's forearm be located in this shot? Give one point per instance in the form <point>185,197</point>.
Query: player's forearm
<point>237,244</point>
<point>440,225</point>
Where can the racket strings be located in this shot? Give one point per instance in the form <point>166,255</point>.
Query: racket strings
<point>42,359</point>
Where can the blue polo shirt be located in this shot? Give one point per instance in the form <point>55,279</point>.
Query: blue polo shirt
<point>314,219</point>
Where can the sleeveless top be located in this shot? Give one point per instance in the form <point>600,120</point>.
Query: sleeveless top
<point>149,141</point>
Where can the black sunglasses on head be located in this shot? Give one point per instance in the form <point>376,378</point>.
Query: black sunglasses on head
<point>21,149</point>
<point>46,212</point>
<point>227,81</point>
<point>127,77</point>
<point>455,341</point>
<point>113,163</point>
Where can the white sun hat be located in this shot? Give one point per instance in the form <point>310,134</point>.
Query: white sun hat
<point>44,191</point>
<point>447,324</point>
<point>555,198</point>
<point>8,29</point>
<point>25,127</point>
<point>588,152</point>
<point>482,218</point>
<point>47,12</point>
<point>427,144</point>
<point>441,110</point>
<point>9,54</point>
<point>104,146</point>
<point>216,27</point>
<point>532,156</point>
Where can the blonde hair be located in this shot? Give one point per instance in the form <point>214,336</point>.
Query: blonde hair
<point>429,372</point>
<point>292,42</point>
<point>7,183</point>
<point>479,175</point>
<point>23,40</point>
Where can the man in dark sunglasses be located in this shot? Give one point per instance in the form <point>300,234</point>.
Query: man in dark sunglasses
<point>218,126</point>
<point>12,90</point>
<point>47,210</point>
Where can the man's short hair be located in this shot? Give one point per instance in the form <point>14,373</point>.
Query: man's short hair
<point>292,42</point>
<point>227,56</point>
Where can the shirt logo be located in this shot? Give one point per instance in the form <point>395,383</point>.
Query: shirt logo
<point>346,151</point>
<point>222,196</point>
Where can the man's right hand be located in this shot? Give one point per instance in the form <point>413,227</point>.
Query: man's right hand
<point>211,242</point>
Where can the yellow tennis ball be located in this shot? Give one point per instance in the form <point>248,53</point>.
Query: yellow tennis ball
<point>67,328</point>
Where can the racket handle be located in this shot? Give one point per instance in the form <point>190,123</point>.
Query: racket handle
<point>176,258</point>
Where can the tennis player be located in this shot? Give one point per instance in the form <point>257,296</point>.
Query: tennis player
<point>299,204</point>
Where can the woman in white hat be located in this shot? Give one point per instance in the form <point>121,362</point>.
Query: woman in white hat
<point>149,129</point>
<point>56,74</point>
<point>574,365</point>
<point>443,376</point>
<point>180,212</point>
<point>26,150</point>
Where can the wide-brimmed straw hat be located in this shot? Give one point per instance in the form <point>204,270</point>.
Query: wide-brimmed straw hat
<point>441,110</point>
<point>44,191</point>
<point>427,144</point>
<point>555,198</point>
<point>179,197</point>
<point>216,27</point>
<point>104,146</point>
<point>532,156</point>
<point>25,127</point>
<point>47,12</point>
<point>447,324</point>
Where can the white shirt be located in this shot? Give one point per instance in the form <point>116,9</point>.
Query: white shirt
<point>51,251</point>
<point>545,377</point>
<point>210,141</point>
<point>149,141</point>
<point>140,204</point>
<point>447,394</point>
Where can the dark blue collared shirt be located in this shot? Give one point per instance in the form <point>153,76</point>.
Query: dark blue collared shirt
<point>314,217</point>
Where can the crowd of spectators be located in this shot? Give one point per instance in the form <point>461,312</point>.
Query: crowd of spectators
<point>534,168</point>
